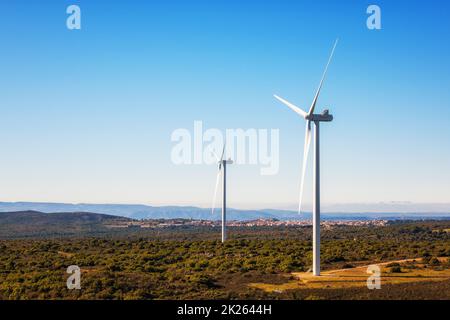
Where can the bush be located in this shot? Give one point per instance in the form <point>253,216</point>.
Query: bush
<point>203,280</point>
<point>434,262</point>
<point>426,260</point>
<point>396,269</point>
<point>393,264</point>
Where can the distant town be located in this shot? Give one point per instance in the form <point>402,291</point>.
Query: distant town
<point>162,223</point>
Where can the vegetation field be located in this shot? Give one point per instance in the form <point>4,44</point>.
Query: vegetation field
<point>256,263</point>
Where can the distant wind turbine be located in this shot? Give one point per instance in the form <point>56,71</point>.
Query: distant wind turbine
<point>316,118</point>
<point>222,172</point>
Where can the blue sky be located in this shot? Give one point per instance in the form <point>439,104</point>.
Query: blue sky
<point>87,115</point>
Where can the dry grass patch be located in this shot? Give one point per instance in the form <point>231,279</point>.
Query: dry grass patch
<point>411,270</point>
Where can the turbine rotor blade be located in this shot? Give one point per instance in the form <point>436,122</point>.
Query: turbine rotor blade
<point>215,154</point>
<point>215,192</point>
<point>291,106</point>
<point>313,104</point>
<point>305,160</point>
<point>223,152</point>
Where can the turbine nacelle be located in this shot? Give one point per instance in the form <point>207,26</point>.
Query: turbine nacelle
<point>223,162</point>
<point>323,117</point>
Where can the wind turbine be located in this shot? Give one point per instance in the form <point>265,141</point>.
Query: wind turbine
<point>222,172</point>
<point>310,116</point>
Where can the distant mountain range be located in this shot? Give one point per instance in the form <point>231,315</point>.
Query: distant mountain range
<point>136,211</point>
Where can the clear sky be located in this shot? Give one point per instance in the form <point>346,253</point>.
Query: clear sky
<point>87,115</point>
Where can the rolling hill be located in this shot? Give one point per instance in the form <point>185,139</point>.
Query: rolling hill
<point>25,224</point>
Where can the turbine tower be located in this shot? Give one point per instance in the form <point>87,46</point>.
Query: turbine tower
<point>222,171</point>
<point>317,119</point>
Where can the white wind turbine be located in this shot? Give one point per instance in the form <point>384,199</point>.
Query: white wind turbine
<point>316,118</point>
<point>222,171</point>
